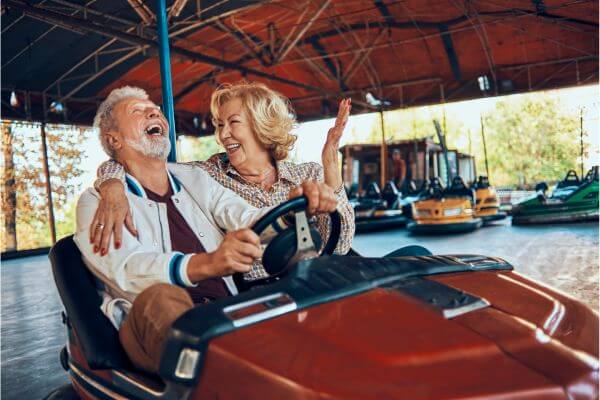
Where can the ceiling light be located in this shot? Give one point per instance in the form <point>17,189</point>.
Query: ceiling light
<point>14,100</point>
<point>57,107</point>
<point>372,100</point>
<point>484,83</point>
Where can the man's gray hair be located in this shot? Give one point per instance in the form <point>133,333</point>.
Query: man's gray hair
<point>104,120</point>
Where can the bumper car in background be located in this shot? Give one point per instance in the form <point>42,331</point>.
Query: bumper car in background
<point>377,209</point>
<point>571,201</point>
<point>444,211</point>
<point>487,204</point>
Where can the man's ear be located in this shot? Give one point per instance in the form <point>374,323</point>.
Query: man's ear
<point>113,140</point>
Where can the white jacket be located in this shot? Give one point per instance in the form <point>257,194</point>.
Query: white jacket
<point>207,207</point>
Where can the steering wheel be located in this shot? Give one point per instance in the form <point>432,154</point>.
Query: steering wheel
<point>287,244</point>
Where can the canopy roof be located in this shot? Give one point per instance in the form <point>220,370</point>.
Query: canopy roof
<point>407,52</point>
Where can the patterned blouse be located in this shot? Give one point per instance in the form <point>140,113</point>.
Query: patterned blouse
<point>289,176</point>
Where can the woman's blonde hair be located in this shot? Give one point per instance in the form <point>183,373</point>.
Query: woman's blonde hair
<point>271,115</point>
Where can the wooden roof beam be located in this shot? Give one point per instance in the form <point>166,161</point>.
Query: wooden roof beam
<point>70,22</point>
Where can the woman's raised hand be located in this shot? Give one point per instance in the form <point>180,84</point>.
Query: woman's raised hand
<point>330,150</point>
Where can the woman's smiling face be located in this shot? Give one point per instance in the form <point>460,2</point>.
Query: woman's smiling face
<point>236,135</point>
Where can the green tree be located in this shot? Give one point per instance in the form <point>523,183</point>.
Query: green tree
<point>531,139</point>
<point>417,123</point>
<point>197,148</point>
<point>9,197</point>
<point>65,158</point>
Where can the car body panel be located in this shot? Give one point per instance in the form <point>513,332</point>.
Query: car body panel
<point>430,216</point>
<point>487,205</point>
<point>431,211</point>
<point>384,344</point>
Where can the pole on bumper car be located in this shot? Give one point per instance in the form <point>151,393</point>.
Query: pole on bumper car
<point>487,169</point>
<point>165,74</point>
<point>442,138</point>
<point>581,138</point>
<point>383,155</point>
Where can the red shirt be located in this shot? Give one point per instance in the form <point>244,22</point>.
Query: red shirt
<point>183,239</point>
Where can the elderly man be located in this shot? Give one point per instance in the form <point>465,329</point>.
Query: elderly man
<point>179,214</point>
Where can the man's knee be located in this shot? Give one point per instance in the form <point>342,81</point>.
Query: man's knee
<point>162,294</point>
<point>162,303</point>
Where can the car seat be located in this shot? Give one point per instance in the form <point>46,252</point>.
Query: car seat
<point>373,191</point>
<point>481,183</point>
<point>458,188</point>
<point>571,179</point>
<point>391,195</point>
<point>98,338</point>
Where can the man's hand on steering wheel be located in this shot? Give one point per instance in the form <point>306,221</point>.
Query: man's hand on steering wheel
<point>236,253</point>
<point>321,198</point>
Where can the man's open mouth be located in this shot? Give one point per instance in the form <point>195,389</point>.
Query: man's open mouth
<point>154,130</point>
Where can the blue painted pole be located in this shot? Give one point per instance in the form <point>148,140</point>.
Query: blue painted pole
<point>165,74</point>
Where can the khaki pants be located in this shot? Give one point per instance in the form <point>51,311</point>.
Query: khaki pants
<point>146,327</point>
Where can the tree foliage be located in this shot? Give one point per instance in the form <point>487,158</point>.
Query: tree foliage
<point>197,148</point>
<point>531,139</point>
<point>65,160</point>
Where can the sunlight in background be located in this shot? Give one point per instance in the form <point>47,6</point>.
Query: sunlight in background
<point>75,152</point>
<point>312,135</point>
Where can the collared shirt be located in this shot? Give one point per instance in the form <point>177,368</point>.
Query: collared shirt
<point>289,176</point>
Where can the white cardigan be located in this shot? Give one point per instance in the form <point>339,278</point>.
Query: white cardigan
<point>207,207</point>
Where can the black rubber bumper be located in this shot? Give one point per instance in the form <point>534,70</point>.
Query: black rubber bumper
<point>552,219</point>
<point>442,229</point>
<point>496,217</point>
<point>379,223</point>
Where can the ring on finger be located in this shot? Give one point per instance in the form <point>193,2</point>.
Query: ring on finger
<point>99,226</point>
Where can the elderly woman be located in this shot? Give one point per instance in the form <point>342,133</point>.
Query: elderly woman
<point>253,123</point>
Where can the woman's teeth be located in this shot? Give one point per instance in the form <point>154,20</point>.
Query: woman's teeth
<point>232,147</point>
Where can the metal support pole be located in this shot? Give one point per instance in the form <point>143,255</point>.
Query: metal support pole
<point>426,162</point>
<point>383,151</point>
<point>444,122</point>
<point>165,74</point>
<point>470,143</point>
<point>48,184</point>
<point>487,170</point>
<point>416,151</point>
<point>442,139</point>
<point>581,137</point>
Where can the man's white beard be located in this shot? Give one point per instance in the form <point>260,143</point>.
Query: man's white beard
<point>154,148</point>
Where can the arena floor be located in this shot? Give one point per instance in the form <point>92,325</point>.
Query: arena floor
<point>562,256</point>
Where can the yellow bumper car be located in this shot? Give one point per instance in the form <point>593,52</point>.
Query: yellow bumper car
<point>487,204</point>
<point>442,211</point>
